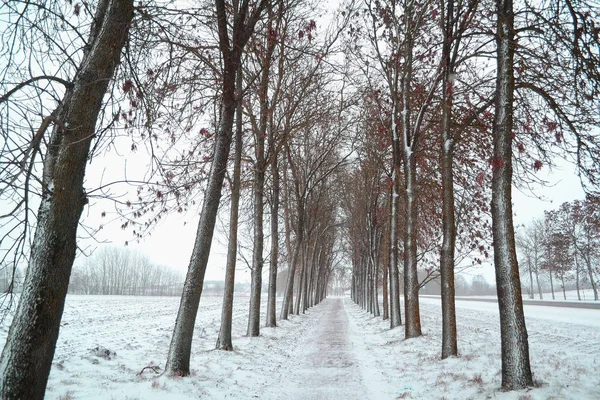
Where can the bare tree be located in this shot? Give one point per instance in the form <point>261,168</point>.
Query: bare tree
<point>531,242</point>
<point>27,355</point>
<point>244,18</point>
<point>224,341</point>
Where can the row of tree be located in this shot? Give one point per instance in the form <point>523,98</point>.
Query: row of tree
<point>116,271</point>
<point>189,78</point>
<point>445,130</point>
<point>564,245</point>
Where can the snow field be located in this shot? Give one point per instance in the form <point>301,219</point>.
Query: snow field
<point>334,351</point>
<point>565,356</point>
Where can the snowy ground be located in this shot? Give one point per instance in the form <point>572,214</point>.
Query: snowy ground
<point>335,351</point>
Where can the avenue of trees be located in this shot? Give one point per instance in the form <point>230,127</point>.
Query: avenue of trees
<point>386,137</point>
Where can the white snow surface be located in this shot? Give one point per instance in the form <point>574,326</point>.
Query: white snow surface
<point>335,351</point>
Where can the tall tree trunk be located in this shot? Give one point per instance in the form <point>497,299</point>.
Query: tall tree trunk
<point>272,296</point>
<point>449,337</point>
<point>516,371</point>
<point>376,311</point>
<point>224,341</point>
<point>531,296</point>
<point>27,356</point>
<point>577,281</point>
<point>552,286</point>
<point>259,187</point>
<point>576,266</point>
<point>412,315</point>
<point>289,291</point>
<point>384,284</point>
<point>257,259</point>
<point>288,294</point>
<point>591,274</point>
<point>309,300</point>
<point>301,277</point>
<point>539,285</point>
<point>412,327</point>
<point>178,358</point>
<point>395,316</point>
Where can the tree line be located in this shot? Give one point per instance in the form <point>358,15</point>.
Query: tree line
<point>115,271</point>
<point>390,137</point>
<point>563,247</point>
<point>453,114</point>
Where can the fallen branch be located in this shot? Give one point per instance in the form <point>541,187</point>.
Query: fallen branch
<point>154,368</point>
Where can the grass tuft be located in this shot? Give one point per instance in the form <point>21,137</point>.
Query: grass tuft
<point>476,379</point>
<point>67,396</point>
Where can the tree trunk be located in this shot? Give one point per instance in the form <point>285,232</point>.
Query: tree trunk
<point>384,284</point>
<point>591,275</point>
<point>537,268</point>
<point>301,278</point>
<point>27,356</point>
<point>449,336</point>
<point>178,358</point>
<point>577,281</point>
<point>539,285</point>
<point>395,316</point>
<point>224,341</point>
<point>289,291</point>
<point>288,295</point>
<point>552,286</point>
<point>531,296</point>
<point>516,371</point>
<point>376,311</point>
<point>259,187</point>
<point>257,259</point>
<point>412,317</point>
<point>272,296</point>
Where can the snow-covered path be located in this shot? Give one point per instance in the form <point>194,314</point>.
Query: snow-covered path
<point>323,365</point>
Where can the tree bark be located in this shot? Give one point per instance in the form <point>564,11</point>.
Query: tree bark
<point>449,336</point>
<point>272,296</point>
<point>27,356</point>
<point>412,317</point>
<point>386,314</point>
<point>289,291</point>
<point>516,370</point>
<point>591,273</point>
<point>395,316</point>
<point>224,341</point>
<point>531,296</point>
